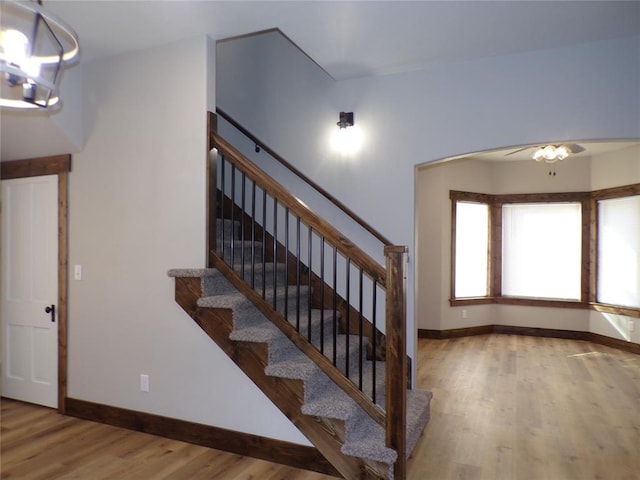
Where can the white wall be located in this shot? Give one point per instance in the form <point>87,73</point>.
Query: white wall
<point>137,209</point>
<point>414,118</point>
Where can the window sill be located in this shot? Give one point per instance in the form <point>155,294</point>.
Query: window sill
<point>546,302</point>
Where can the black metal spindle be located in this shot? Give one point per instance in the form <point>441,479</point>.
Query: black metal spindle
<point>233,211</point>
<point>222,203</point>
<point>347,308</point>
<point>360,330</point>
<point>322,241</point>
<point>275,252</point>
<point>253,235</point>
<point>264,244</point>
<point>286,263</point>
<point>297,274</point>
<point>310,273</point>
<point>242,229</point>
<point>374,341</point>
<point>335,305</point>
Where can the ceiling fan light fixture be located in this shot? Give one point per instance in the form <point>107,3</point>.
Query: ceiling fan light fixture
<point>550,153</point>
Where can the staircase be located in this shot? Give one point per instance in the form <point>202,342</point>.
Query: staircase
<point>303,327</point>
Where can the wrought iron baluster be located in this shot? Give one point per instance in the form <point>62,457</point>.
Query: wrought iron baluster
<point>264,244</point>
<point>233,217</point>
<point>253,235</point>
<point>347,308</point>
<point>322,242</point>
<point>335,305</point>
<point>360,330</point>
<point>374,336</point>
<point>222,204</point>
<point>309,274</point>
<point>297,274</point>
<point>286,264</point>
<point>275,252</point>
<point>242,222</point>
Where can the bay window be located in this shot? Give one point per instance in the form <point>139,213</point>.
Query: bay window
<point>576,249</point>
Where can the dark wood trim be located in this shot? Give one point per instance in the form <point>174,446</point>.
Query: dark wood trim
<point>613,342</point>
<point>585,260</point>
<point>211,207</point>
<point>454,225</point>
<point>616,192</point>
<point>63,279</point>
<point>531,332</point>
<point>35,167</point>
<point>495,261</point>
<point>615,309</point>
<point>541,302</point>
<point>561,197</point>
<point>286,453</point>
<point>359,220</point>
<point>455,332</point>
<point>396,363</point>
<point>593,251</point>
<point>459,302</point>
<point>59,165</point>
<point>459,196</point>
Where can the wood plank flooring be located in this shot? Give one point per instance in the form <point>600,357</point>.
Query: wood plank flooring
<point>528,408</point>
<point>505,407</point>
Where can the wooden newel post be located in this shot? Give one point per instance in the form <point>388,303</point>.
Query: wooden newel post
<point>396,355</point>
<point>212,188</point>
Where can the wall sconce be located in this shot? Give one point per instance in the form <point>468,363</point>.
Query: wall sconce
<point>347,139</point>
<point>346,120</point>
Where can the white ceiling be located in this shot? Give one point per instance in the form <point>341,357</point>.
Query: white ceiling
<point>355,38</point>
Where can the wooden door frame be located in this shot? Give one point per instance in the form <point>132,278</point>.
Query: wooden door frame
<point>59,165</point>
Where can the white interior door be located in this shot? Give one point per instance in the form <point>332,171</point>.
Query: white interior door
<point>29,288</point>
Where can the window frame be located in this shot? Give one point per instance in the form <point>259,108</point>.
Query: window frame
<point>589,246</point>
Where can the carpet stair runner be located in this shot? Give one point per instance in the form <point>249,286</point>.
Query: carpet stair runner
<point>363,437</point>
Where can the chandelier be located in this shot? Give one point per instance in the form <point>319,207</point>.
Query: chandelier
<point>34,45</point>
<point>551,153</point>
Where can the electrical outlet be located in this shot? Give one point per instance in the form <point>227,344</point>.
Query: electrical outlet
<point>77,272</point>
<point>465,314</point>
<point>144,382</point>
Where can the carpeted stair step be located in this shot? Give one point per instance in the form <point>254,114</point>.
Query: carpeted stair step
<point>227,229</point>
<point>323,398</point>
<point>250,250</point>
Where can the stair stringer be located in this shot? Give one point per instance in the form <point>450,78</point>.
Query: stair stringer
<point>326,434</point>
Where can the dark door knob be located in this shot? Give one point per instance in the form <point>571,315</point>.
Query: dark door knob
<point>52,310</point>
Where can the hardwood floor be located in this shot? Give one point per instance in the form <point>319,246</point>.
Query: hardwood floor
<point>505,407</point>
<point>528,408</point>
<point>39,444</point>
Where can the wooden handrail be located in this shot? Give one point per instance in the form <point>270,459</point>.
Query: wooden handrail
<point>355,217</point>
<point>345,246</point>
